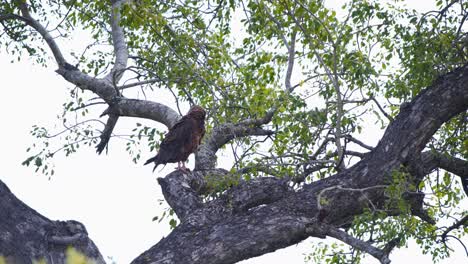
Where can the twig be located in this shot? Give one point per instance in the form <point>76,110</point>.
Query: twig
<point>463,221</point>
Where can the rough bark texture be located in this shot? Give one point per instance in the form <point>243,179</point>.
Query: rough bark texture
<point>250,218</point>
<point>214,232</point>
<point>265,214</point>
<point>27,236</point>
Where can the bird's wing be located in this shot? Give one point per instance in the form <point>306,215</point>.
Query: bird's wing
<point>176,140</point>
<point>181,130</point>
<point>202,134</point>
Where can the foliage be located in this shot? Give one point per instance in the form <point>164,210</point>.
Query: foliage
<point>75,257</point>
<point>327,72</point>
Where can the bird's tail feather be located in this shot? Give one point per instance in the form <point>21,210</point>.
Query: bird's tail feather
<point>153,159</point>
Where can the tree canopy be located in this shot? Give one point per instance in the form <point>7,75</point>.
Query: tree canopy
<point>293,90</point>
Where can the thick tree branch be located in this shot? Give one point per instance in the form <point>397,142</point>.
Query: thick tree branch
<point>252,193</point>
<point>432,160</point>
<point>119,105</point>
<point>26,236</point>
<point>179,192</point>
<point>135,108</point>
<point>146,109</point>
<point>289,219</point>
<point>230,239</point>
<point>183,193</point>
<point>120,46</point>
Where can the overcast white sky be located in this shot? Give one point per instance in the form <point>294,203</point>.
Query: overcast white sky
<point>115,198</point>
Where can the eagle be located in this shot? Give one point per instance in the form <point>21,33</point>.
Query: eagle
<point>182,139</point>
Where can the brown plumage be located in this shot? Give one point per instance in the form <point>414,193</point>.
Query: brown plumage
<point>182,139</point>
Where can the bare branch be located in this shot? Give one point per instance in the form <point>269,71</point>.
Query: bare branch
<point>390,118</point>
<point>461,222</point>
<point>432,160</point>
<point>102,88</point>
<point>359,244</point>
<point>107,133</point>
<point>146,109</point>
<point>219,136</point>
<point>291,51</point>
<point>120,46</point>
<point>355,153</point>
<point>149,81</point>
<point>358,142</point>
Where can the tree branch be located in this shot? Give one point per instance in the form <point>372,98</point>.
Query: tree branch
<point>359,244</point>
<point>107,133</point>
<point>180,193</point>
<point>461,222</point>
<point>289,70</point>
<point>358,142</point>
<point>27,236</point>
<point>292,218</point>
<point>120,46</point>
<point>219,136</point>
<point>432,160</point>
<point>42,31</point>
<point>183,193</point>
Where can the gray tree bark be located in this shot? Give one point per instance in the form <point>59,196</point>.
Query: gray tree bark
<point>27,236</point>
<point>253,217</point>
<point>263,215</point>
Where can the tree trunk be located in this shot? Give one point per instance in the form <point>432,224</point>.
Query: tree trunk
<point>27,236</point>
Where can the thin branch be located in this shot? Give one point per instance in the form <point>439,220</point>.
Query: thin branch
<point>355,153</point>
<point>69,128</point>
<point>278,24</point>
<point>359,244</point>
<point>463,244</point>
<point>149,81</point>
<point>42,31</point>
<point>390,118</point>
<point>291,51</point>
<point>87,105</point>
<point>461,222</point>
<point>358,142</point>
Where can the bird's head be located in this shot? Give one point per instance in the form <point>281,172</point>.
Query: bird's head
<point>197,112</point>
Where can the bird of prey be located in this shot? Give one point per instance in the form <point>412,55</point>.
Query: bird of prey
<point>182,139</point>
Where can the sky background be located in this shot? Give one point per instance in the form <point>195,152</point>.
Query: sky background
<point>113,197</point>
